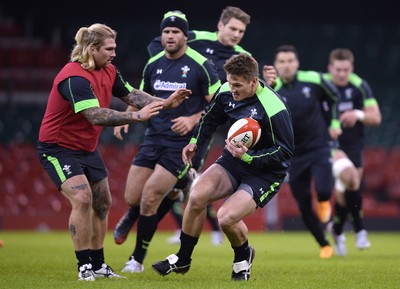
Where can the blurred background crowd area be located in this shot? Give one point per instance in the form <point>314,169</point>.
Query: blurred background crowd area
<point>35,42</point>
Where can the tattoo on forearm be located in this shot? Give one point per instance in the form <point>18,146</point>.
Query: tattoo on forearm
<point>139,99</point>
<point>107,117</point>
<point>72,229</point>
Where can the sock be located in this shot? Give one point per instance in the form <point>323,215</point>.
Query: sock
<point>212,218</point>
<point>241,252</point>
<point>314,225</point>
<point>353,201</point>
<point>83,257</point>
<point>97,257</point>
<point>340,219</point>
<point>146,227</point>
<point>164,208</point>
<point>186,250</point>
<point>133,213</point>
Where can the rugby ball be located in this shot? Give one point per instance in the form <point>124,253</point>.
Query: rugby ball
<point>245,130</point>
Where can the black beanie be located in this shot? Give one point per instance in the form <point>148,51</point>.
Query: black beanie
<point>175,19</point>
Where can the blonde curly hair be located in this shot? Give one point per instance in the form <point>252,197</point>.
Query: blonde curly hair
<point>85,38</point>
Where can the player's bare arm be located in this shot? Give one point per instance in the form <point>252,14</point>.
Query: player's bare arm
<point>111,117</point>
<point>139,99</point>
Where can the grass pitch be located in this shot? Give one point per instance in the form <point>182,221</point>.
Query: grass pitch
<point>282,260</point>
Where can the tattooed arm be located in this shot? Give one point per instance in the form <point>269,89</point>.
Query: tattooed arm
<point>139,99</point>
<point>111,117</point>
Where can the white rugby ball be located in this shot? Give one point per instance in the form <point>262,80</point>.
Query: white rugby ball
<point>245,130</point>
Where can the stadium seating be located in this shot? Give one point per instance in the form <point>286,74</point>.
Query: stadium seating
<point>29,199</point>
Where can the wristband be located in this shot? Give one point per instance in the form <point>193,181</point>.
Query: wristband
<point>360,114</point>
<point>138,116</point>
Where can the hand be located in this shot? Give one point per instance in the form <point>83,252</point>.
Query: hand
<point>176,98</point>
<point>270,75</point>
<point>117,131</point>
<point>348,118</point>
<point>183,125</point>
<point>335,132</point>
<point>188,153</point>
<point>150,110</point>
<point>237,150</point>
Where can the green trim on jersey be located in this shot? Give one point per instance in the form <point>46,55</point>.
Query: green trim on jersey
<point>151,59</point>
<point>197,57</point>
<point>200,59</point>
<point>126,84</point>
<point>213,36</point>
<point>357,81</point>
<point>309,76</point>
<point>85,104</point>
<point>270,101</point>
<point>370,102</point>
<point>56,164</point>
<point>224,88</point>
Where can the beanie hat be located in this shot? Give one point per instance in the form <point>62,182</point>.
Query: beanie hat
<point>175,19</point>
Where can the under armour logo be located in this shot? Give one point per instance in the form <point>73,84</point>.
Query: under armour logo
<point>210,51</point>
<point>172,18</point>
<point>159,71</point>
<point>231,104</point>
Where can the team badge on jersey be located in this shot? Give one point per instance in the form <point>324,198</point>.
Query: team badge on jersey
<point>185,71</point>
<point>306,91</point>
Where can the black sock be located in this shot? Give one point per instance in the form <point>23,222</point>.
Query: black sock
<point>241,252</point>
<point>186,250</point>
<point>146,227</point>
<point>133,213</point>
<point>353,201</point>
<point>212,218</point>
<point>83,257</point>
<point>340,219</point>
<point>97,257</point>
<point>314,225</point>
<point>164,208</point>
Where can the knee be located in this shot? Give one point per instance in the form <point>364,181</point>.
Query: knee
<point>83,201</point>
<point>132,198</point>
<point>225,219</point>
<point>197,202</point>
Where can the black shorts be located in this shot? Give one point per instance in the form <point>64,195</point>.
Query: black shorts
<point>355,157</point>
<point>169,158</point>
<point>61,163</point>
<point>303,163</point>
<point>261,184</point>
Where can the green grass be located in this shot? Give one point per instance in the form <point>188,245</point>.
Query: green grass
<point>283,260</point>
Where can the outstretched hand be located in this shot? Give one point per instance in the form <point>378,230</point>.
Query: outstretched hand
<point>150,110</point>
<point>176,98</point>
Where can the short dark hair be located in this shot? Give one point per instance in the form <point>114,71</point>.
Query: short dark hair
<point>341,54</point>
<point>242,64</point>
<point>286,48</point>
<point>234,12</point>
